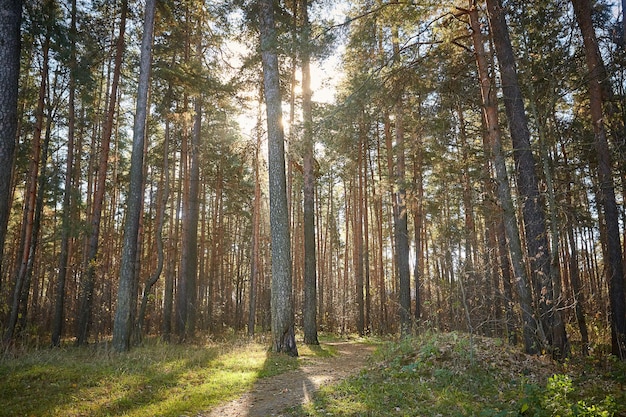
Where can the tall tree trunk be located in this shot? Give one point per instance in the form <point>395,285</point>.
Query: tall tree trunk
<point>366,236</point>
<point>401,232</point>
<point>527,184</point>
<point>390,215</point>
<point>29,229</point>
<point>256,235</point>
<point>215,287</point>
<point>163,193</point>
<point>558,328</point>
<point>346,256</point>
<point>88,279</point>
<point>577,290</point>
<point>382,286</point>
<point>186,296</point>
<point>418,221</point>
<point>42,180</point>
<point>283,320</point>
<point>10,21</point>
<point>310,259</point>
<point>168,292</point>
<point>505,270</point>
<point>357,232</point>
<point>124,311</point>
<point>494,148</point>
<point>606,189</point>
<point>573,265</point>
<point>469,231</point>
<point>69,190</point>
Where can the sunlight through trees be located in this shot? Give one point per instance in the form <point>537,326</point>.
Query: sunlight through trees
<point>374,167</point>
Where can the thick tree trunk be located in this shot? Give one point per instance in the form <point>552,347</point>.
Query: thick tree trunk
<point>124,313</point>
<point>283,321</point>
<point>490,115</point>
<point>10,20</point>
<point>606,189</point>
<point>527,184</point>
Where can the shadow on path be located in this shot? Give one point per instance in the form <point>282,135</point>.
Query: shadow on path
<point>270,396</point>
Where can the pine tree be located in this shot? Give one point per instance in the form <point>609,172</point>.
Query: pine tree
<point>283,333</point>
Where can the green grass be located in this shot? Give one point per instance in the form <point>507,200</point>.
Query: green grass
<point>455,375</point>
<point>155,379</point>
<point>434,374</point>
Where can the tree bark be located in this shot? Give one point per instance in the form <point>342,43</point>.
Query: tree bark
<point>10,21</point>
<point>186,297</point>
<point>256,235</point>
<point>528,186</point>
<point>124,311</point>
<point>283,321</point>
<point>366,237</point>
<point>490,115</point>
<point>606,189</point>
<point>29,227</point>
<point>310,259</point>
<point>401,232</point>
<point>418,225</point>
<point>168,293</point>
<point>357,232</point>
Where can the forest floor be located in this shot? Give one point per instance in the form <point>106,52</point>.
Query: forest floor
<point>430,374</point>
<point>271,396</point>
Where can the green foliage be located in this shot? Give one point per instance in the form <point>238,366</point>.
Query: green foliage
<point>557,400</point>
<point>454,375</point>
<point>557,390</point>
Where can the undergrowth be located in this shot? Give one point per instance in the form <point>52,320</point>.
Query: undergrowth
<point>434,374</point>
<point>453,374</point>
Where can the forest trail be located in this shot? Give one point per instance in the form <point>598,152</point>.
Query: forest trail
<point>271,396</point>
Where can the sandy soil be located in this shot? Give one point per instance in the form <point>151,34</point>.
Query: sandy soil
<point>272,395</point>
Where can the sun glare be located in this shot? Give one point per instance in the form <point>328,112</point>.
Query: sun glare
<point>324,78</point>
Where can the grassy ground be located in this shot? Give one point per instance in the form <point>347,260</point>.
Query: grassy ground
<point>455,375</point>
<point>431,375</point>
<point>153,380</point>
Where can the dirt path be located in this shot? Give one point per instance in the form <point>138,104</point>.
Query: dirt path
<point>272,395</point>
